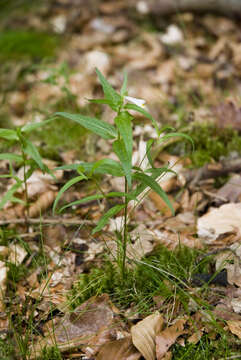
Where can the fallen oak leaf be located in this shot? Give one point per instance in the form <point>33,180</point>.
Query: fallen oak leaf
<point>144,334</point>
<point>121,349</point>
<point>168,337</point>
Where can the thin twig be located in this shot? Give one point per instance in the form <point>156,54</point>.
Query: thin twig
<point>48,221</point>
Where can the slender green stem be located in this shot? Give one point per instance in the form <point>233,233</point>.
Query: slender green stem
<point>125,234</point>
<point>25,186</point>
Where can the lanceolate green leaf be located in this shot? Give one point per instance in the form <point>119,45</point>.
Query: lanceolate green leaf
<point>9,194</point>
<point>96,197</point>
<point>149,181</point>
<point>8,134</point>
<point>99,127</point>
<point>123,123</point>
<point>11,157</point>
<point>101,101</point>
<point>123,91</point>
<point>105,218</point>
<point>109,92</point>
<point>33,126</point>
<point>66,187</point>
<point>148,151</point>
<point>105,166</point>
<point>125,159</point>
<point>32,151</point>
<point>83,201</point>
<point>177,134</point>
<point>143,112</point>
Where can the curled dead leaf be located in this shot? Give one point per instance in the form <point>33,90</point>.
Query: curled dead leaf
<point>144,334</point>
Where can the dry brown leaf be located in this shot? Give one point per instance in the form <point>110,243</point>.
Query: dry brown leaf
<point>231,191</point>
<point>230,260</point>
<point>16,254</point>
<point>225,219</point>
<point>195,337</point>
<point>161,205</point>
<point>144,334</point>
<point>42,203</point>
<point>91,324</point>
<point>235,327</point>
<point>228,115</point>
<point>168,337</point>
<point>122,349</point>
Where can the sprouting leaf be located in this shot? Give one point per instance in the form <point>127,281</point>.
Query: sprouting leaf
<point>109,92</point>
<point>11,157</point>
<point>143,112</point>
<point>99,127</point>
<point>125,159</point>
<point>105,218</point>
<point>123,123</point>
<point>66,187</point>
<point>124,85</point>
<point>8,134</point>
<point>149,181</point>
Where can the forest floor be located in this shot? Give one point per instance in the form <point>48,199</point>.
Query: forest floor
<point>62,292</point>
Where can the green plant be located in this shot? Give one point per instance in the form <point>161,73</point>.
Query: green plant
<point>29,157</point>
<point>137,178</point>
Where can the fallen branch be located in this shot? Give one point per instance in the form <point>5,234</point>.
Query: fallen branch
<point>210,171</point>
<point>48,221</point>
<point>168,7</point>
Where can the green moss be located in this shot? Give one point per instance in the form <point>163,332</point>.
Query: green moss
<point>210,143</point>
<point>17,44</point>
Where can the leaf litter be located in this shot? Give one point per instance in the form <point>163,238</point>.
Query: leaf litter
<point>177,64</point>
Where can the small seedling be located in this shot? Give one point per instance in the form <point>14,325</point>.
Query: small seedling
<point>28,157</point>
<point>137,179</point>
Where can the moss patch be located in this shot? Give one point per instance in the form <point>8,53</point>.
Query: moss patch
<point>18,44</point>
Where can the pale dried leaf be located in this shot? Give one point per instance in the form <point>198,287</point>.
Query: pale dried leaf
<point>225,219</point>
<point>144,334</point>
<point>235,327</point>
<point>16,254</point>
<point>168,337</point>
<point>91,324</point>
<point>3,282</point>
<point>122,349</point>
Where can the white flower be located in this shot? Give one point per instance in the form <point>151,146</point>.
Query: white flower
<point>138,102</point>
